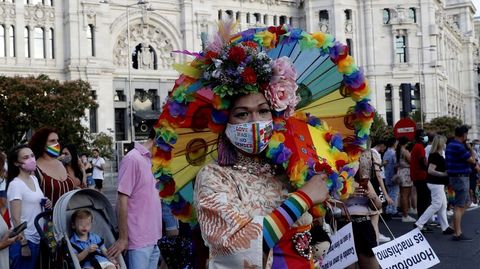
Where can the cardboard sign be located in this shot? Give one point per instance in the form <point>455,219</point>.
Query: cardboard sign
<point>410,251</point>
<point>342,251</point>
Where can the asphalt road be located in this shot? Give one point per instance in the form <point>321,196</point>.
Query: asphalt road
<point>452,254</point>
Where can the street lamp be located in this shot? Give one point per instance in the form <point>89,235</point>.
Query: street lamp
<point>131,93</point>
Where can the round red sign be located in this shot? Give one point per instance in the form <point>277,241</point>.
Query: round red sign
<point>405,127</point>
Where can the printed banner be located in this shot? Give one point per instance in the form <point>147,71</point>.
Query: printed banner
<point>342,252</point>
<point>410,251</point>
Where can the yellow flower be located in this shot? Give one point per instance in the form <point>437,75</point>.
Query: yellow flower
<point>266,38</point>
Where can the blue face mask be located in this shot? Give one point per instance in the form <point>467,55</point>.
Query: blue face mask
<point>425,139</point>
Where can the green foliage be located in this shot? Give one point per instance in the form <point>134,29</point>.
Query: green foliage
<point>415,116</point>
<point>101,141</point>
<point>29,103</point>
<point>443,125</point>
<point>379,129</point>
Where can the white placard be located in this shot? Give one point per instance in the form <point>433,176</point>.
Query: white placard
<point>342,251</point>
<point>409,251</point>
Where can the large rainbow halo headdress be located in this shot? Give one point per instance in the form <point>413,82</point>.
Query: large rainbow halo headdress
<point>319,99</point>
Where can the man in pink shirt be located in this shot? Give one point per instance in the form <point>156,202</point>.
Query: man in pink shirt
<point>139,209</point>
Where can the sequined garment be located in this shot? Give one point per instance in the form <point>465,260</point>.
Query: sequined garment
<point>231,204</point>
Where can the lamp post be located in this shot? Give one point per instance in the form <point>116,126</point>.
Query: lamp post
<point>131,93</point>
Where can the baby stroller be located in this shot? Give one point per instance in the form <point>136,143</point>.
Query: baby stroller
<point>104,221</point>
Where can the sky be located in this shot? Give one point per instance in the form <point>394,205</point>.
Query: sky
<point>477,5</point>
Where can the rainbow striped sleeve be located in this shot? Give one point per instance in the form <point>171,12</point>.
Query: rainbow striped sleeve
<point>279,221</point>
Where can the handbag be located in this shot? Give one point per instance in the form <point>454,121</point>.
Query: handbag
<point>375,184</point>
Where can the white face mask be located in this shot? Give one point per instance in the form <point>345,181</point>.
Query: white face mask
<point>250,137</point>
<point>425,139</point>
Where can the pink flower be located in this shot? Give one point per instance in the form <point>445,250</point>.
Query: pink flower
<point>282,96</point>
<point>282,68</point>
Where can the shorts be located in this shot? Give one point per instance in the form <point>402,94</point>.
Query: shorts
<point>90,181</point>
<point>364,235</point>
<point>98,183</point>
<point>461,186</point>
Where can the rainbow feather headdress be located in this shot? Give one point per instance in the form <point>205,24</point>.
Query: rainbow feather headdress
<point>239,64</point>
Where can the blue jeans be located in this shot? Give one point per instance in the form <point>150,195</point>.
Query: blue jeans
<point>19,262</point>
<point>393,192</point>
<point>143,258</point>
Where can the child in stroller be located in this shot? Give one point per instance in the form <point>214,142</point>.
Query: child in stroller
<point>88,246</point>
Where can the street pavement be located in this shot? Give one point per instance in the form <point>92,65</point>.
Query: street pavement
<point>452,254</point>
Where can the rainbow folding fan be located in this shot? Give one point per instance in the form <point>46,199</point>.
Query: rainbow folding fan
<point>326,134</point>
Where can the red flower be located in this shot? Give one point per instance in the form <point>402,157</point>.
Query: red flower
<point>168,189</point>
<point>249,76</point>
<point>250,44</point>
<point>211,54</point>
<point>236,54</point>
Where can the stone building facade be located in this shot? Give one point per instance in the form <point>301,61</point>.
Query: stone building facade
<point>427,45</point>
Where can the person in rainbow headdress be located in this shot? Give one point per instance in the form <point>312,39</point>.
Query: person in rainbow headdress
<point>245,208</point>
<point>272,166</point>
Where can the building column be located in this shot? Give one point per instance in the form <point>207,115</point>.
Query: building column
<point>395,88</point>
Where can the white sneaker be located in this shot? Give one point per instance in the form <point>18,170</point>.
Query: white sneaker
<point>473,205</point>
<point>408,219</point>
<point>412,211</point>
<point>383,239</point>
<point>450,213</point>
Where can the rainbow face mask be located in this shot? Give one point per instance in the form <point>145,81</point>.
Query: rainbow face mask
<point>251,137</point>
<point>53,150</point>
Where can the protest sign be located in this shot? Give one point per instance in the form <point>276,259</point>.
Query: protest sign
<point>409,251</point>
<point>342,250</point>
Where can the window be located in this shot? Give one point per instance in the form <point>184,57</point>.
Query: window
<point>11,41</point>
<point>257,17</point>
<point>275,20</point>
<point>400,49</point>
<point>144,57</point>
<point>93,114</point>
<point>52,43</point>
<point>290,21</point>
<point>265,19</point>
<point>3,53</point>
<point>386,16</point>
<point>91,40</point>
<point>237,15</point>
<point>220,14</point>
<point>348,14</point>
<point>412,15</point>
<point>350,46</point>
<point>230,14</point>
<point>283,20</point>
<point>388,104</point>
<point>26,35</point>
<point>248,17</point>
<point>39,42</point>
<point>323,14</point>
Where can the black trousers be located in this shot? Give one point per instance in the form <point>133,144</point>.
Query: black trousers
<point>423,196</point>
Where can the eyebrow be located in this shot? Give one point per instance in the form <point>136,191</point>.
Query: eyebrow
<point>246,108</point>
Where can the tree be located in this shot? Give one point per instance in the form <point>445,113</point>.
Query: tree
<point>380,130</point>
<point>443,125</point>
<point>29,103</point>
<point>103,142</point>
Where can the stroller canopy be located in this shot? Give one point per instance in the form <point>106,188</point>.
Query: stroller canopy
<point>85,198</point>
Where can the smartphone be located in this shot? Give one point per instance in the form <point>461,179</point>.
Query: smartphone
<point>20,228</point>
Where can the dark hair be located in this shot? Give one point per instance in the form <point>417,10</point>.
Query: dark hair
<point>39,140</point>
<point>390,142</point>
<point>461,130</point>
<point>378,142</point>
<point>3,158</point>
<point>419,133</point>
<point>12,158</point>
<point>152,134</point>
<point>81,213</point>
<point>95,149</point>
<point>402,141</point>
<point>74,163</point>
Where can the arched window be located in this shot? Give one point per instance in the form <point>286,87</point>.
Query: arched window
<point>91,40</point>
<point>386,16</point>
<point>412,14</point>
<point>2,41</point>
<point>11,41</point>
<point>283,20</point>
<point>51,41</point>
<point>144,57</point>
<point>323,15</point>
<point>26,35</point>
<point>39,42</point>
